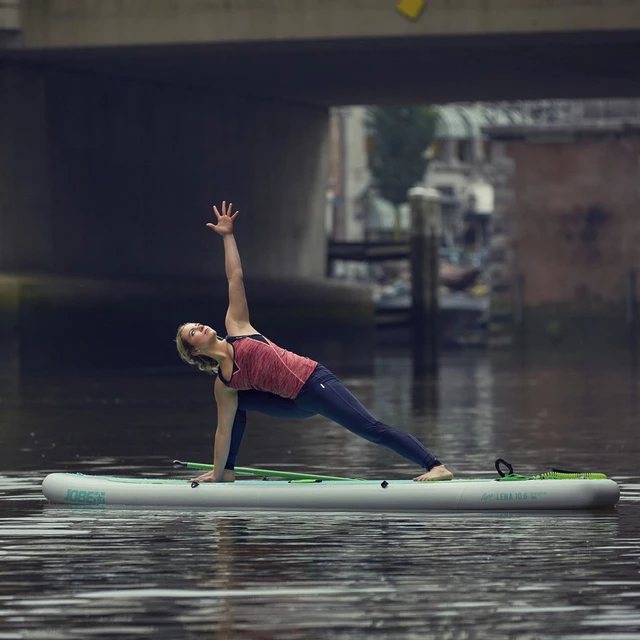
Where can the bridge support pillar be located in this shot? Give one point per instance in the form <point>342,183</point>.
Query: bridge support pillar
<point>105,188</point>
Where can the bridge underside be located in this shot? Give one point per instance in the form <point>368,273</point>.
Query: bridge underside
<point>112,156</point>
<point>401,70</point>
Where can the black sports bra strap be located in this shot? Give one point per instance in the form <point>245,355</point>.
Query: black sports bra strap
<point>228,382</point>
<point>255,336</point>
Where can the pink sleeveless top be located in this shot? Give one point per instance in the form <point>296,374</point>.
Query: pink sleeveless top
<point>262,365</point>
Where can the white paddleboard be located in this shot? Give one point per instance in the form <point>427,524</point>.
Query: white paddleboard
<point>352,495</point>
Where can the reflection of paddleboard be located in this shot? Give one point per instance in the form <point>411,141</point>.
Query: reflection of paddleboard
<point>502,494</point>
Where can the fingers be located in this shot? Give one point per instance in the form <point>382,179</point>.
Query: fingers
<point>226,211</point>
<point>203,478</point>
<point>229,209</point>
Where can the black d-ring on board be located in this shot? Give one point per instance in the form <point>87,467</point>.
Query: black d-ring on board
<point>500,461</point>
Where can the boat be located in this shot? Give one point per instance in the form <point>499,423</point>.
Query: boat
<point>521,493</point>
<point>461,315</point>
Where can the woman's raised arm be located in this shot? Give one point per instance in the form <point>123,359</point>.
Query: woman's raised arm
<point>237,318</point>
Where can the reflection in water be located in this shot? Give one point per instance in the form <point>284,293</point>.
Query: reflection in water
<point>78,572</point>
<point>197,572</point>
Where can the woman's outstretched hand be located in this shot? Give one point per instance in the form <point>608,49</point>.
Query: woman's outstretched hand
<point>209,476</point>
<point>224,226</point>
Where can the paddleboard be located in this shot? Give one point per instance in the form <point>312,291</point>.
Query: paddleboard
<point>390,496</point>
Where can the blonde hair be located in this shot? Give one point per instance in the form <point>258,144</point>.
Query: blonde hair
<point>204,363</point>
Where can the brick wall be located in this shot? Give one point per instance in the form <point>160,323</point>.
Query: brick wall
<point>567,237</point>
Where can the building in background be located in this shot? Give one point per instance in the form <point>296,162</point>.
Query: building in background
<point>10,20</point>
<point>462,166</point>
<point>354,211</point>
<point>349,175</point>
<point>349,179</point>
<point>460,169</point>
<point>564,260</point>
<point>473,166</point>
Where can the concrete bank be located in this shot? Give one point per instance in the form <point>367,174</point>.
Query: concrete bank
<point>55,324</point>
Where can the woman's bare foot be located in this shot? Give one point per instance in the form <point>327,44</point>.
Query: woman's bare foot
<point>437,473</point>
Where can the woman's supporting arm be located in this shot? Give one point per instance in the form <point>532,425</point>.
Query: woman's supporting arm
<point>227,401</point>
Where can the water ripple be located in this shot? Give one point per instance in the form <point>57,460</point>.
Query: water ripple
<point>72,573</point>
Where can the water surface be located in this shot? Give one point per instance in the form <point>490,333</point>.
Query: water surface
<point>104,573</point>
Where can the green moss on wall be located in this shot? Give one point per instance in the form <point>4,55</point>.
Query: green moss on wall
<point>72,324</point>
<point>561,327</point>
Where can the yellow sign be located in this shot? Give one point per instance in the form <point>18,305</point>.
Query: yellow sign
<point>411,9</point>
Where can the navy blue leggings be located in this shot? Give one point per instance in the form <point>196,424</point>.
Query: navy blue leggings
<point>325,395</point>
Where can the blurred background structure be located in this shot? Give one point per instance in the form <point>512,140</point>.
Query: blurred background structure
<point>540,224</point>
<point>121,123</point>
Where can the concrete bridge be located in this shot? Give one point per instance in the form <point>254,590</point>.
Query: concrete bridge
<point>327,52</point>
<point>121,122</point>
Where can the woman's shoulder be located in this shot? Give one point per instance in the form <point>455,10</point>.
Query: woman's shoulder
<point>220,389</point>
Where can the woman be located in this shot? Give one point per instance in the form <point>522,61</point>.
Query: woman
<point>254,374</point>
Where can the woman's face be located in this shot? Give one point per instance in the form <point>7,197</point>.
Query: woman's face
<point>199,336</point>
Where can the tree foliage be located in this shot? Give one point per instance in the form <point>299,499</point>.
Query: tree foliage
<point>400,138</point>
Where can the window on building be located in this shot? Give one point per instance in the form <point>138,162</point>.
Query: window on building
<point>465,151</point>
<point>487,150</point>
